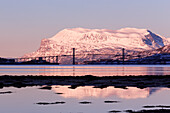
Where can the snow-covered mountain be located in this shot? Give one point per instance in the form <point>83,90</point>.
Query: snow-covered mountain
<point>168,39</point>
<point>98,41</point>
<point>163,50</point>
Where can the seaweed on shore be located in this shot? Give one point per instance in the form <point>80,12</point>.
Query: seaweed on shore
<point>88,80</point>
<point>156,106</point>
<point>7,92</point>
<point>109,101</point>
<point>73,86</point>
<point>85,102</point>
<point>123,87</point>
<point>114,111</point>
<point>59,93</point>
<point>19,84</point>
<point>101,86</point>
<point>150,111</point>
<point>1,85</point>
<point>46,87</point>
<point>47,103</point>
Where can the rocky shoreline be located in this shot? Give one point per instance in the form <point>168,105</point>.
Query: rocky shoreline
<point>87,80</point>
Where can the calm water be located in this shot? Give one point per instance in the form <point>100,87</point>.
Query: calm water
<point>23,100</point>
<point>79,70</point>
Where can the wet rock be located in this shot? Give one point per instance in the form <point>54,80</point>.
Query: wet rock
<point>85,102</point>
<point>7,92</point>
<point>123,87</point>
<point>89,80</point>
<point>163,106</point>
<point>141,86</point>
<point>101,86</point>
<point>150,111</point>
<point>157,106</point>
<point>114,111</point>
<point>47,103</point>
<point>89,77</point>
<point>46,87</point>
<point>148,106</point>
<point>111,101</point>
<point>19,84</point>
<point>43,103</point>
<point>1,85</point>
<point>59,93</point>
<point>73,86</point>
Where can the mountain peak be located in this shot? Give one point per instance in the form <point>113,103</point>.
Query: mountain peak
<point>168,39</point>
<point>133,30</point>
<point>84,30</point>
<point>122,31</point>
<point>80,30</point>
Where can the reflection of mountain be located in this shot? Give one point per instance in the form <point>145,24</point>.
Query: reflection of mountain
<point>89,91</point>
<point>154,90</point>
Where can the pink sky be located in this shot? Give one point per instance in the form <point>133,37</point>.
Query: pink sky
<point>23,24</point>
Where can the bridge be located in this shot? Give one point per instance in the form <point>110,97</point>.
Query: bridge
<point>50,59</point>
<point>99,58</point>
<point>55,59</point>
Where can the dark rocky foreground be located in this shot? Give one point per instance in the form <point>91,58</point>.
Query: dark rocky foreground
<point>155,109</point>
<point>87,80</point>
<point>150,111</point>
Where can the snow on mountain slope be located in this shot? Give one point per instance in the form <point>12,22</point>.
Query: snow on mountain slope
<point>168,39</point>
<point>165,49</point>
<point>162,50</point>
<point>99,41</point>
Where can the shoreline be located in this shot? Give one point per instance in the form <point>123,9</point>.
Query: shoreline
<point>87,80</point>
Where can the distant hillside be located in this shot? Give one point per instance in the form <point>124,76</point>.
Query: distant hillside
<point>162,50</point>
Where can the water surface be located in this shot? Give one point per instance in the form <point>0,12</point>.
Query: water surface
<point>24,100</point>
<point>79,70</point>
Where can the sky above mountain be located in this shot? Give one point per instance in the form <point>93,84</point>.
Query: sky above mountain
<point>24,23</point>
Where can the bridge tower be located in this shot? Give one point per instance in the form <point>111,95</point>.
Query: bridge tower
<point>73,56</point>
<point>56,59</point>
<point>123,55</point>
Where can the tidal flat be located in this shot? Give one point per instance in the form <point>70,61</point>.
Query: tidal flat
<point>86,94</point>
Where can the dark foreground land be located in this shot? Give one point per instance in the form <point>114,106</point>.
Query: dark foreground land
<point>150,111</point>
<point>87,80</point>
